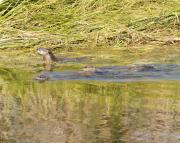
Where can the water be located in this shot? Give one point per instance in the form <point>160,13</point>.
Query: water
<point>113,105</point>
<point>87,111</point>
<point>117,73</point>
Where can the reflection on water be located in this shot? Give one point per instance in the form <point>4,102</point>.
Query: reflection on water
<point>87,112</point>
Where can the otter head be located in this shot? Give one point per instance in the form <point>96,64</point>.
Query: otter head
<point>47,54</point>
<point>89,69</point>
<point>43,51</point>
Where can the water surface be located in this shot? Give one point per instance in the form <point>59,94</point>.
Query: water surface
<point>87,111</point>
<point>153,72</point>
<point>116,106</point>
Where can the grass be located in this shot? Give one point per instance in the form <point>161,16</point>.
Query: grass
<point>84,23</point>
<point>76,28</point>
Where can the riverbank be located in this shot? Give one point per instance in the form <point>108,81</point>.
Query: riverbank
<point>88,24</point>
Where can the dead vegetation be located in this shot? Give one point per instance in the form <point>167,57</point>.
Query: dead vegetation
<point>82,23</point>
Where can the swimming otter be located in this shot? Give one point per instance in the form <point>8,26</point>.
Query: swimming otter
<point>91,72</point>
<point>49,57</point>
<point>141,68</point>
<point>88,71</point>
<point>47,54</point>
<point>133,68</point>
<point>89,68</point>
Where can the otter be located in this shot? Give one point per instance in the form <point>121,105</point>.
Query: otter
<point>49,57</point>
<point>141,68</point>
<point>133,68</point>
<point>89,70</point>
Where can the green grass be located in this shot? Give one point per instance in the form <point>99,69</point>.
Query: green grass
<point>84,23</point>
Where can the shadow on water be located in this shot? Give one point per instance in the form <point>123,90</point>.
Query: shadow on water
<point>117,73</point>
<point>88,112</point>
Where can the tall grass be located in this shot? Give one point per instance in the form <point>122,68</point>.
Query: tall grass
<point>92,22</point>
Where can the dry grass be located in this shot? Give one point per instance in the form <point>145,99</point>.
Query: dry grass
<point>84,23</point>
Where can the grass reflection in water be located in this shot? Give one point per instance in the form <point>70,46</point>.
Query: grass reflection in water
<point>74,111</point>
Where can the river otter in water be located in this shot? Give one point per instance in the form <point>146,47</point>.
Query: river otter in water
<point>89,70</point>
<point>133,68</point>
<point>141,68</point>
<point>49,57</point>
<point>47,54</point>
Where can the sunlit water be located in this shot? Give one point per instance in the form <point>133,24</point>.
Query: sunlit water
<point>113,106</point>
